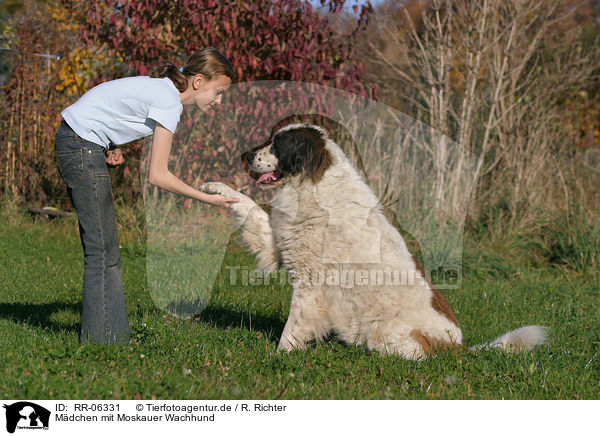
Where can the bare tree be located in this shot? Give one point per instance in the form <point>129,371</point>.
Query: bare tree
<point>490,74</point>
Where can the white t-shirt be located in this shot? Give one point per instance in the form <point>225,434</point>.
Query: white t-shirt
<point>123,110</point>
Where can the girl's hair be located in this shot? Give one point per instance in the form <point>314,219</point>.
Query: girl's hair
<point>209,62</point>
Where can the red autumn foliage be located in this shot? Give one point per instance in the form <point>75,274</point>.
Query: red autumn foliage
<point>285,40</point>
<point>264,39</point>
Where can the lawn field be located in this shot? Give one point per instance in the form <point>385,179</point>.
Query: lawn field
<point>229,351</point>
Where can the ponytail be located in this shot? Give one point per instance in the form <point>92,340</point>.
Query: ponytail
<point>170,70</point>
<point>209,62</point>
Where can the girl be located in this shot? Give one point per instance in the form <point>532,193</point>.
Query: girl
<point>115,113</point>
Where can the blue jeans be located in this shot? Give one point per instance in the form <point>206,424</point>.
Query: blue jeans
<point>82,165</point>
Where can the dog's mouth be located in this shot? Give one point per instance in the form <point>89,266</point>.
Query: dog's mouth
<point>268,179</point>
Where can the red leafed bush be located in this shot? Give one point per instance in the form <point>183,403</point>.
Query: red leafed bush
<point>264,39</point>
<point>284,40</point>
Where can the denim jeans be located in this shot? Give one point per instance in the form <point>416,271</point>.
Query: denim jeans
<point>82,165</point>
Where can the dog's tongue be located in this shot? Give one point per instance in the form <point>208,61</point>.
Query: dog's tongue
<point>267,177</point>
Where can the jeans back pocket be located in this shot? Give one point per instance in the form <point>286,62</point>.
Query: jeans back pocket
<point>70,166</point>
<point>98,164</point>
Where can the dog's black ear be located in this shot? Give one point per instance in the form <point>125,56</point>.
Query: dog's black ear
<point>302,151</point>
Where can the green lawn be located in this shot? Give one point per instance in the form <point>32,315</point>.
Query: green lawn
<point>229,351</point>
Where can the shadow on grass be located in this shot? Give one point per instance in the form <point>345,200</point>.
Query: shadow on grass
<point>41,315</point>
<point>221,317</point>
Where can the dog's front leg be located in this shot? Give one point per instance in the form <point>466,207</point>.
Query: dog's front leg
<point>256,229</point>
<point>293,336</point>
<point>302,323</point>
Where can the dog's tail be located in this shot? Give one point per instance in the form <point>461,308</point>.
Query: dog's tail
<point>524,338</point>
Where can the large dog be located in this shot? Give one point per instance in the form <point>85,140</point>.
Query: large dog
<point>352,272</point>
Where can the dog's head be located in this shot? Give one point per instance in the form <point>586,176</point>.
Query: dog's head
<point>294,150</point>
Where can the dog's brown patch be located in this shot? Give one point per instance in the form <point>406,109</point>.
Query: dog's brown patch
<point>422,339</point>
<point>438,301</point>
<point>440,305</point>
<point>323,162</point>
<point>430,344</point>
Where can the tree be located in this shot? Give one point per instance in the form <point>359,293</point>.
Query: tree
<point>51,67</point>
<point>492,75</point>
<point>284,40</point>
<point>264,39</point>
<point>30,108</point>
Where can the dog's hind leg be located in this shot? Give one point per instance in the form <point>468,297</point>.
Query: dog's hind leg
<point>393,336</point>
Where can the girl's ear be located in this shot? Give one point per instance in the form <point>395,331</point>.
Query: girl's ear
<point>197,81</point>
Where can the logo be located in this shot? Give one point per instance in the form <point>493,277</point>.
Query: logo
<point>26,415</point>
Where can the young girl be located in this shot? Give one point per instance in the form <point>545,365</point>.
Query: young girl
<point>115,113</point>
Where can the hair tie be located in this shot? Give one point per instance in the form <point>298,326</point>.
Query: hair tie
<point>181,69</point>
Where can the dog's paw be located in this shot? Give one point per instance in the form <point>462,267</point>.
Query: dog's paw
<point>212,188</point>
<point>240,208</point>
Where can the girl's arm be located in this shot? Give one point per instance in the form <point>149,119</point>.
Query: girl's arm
<point>163,178</point>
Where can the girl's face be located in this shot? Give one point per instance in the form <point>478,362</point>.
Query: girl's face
<point>205,93</point>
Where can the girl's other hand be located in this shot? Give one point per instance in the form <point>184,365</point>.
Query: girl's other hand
<point>114,157</point>
<point>222,201</point>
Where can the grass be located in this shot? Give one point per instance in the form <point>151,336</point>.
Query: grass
<point>229,351</point>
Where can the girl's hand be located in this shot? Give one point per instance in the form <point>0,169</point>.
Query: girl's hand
<point>221,201</point>
<point>114,157</point>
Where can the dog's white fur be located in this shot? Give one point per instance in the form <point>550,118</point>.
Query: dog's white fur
<point>337,224</point>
